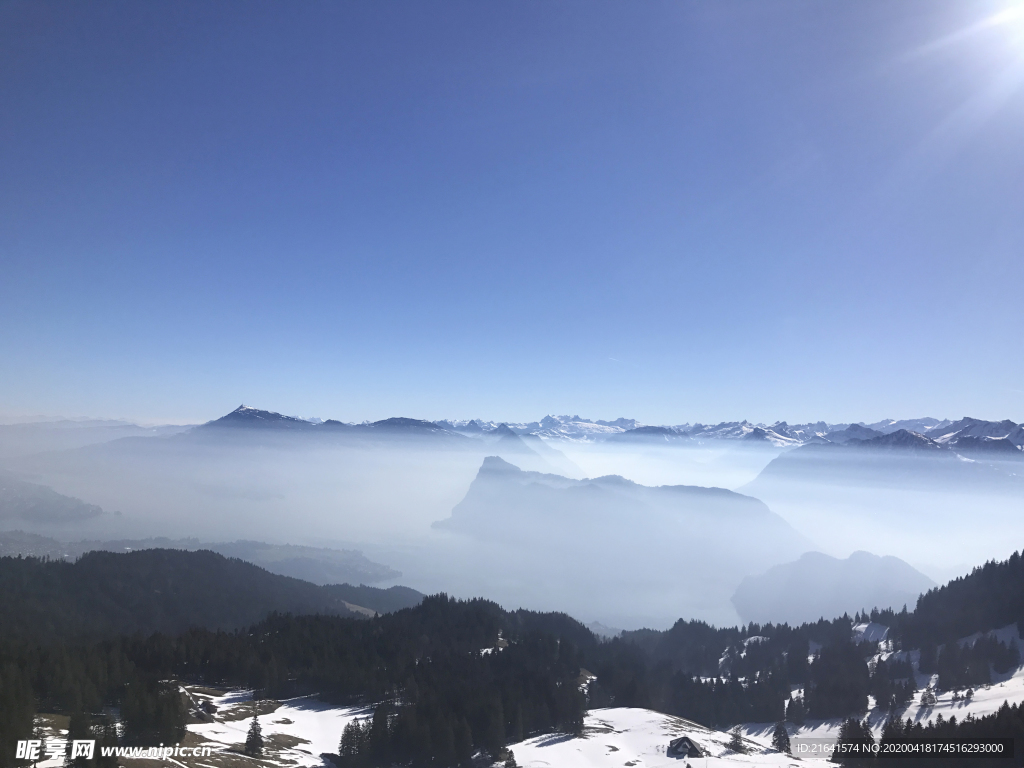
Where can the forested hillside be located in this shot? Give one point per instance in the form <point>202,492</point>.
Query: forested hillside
<point>424,666</point>
<point>770,658</point>
<point>450,676</point>
<point>990,596</point>
<point>153,590</point>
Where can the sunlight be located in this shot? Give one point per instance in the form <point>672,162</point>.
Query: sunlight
<point>1012,19</point>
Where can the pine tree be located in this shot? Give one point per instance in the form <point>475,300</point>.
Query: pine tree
<point>780,739</point>
<point>928,697</point>
<point>254,739</point>
<point>795,711</point>
<point>351,736</point>
<point>853,732</point>
<point>379,737</point>
<point>736,741</point>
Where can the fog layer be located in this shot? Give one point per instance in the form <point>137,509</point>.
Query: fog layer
<point>626,547</point>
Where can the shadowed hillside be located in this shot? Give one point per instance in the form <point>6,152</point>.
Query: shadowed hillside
<point>162,590</point>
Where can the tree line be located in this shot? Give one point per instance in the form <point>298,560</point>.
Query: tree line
<point>1006,723</point>
<point>441,683</point>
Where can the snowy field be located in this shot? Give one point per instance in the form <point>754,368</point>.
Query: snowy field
<point>297,732</point>
<point>638,737</point>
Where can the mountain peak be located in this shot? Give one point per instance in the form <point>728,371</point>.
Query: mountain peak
<point>497,464</point>
<point>247,416</point>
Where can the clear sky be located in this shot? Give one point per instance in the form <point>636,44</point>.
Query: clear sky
<point>671,211</point>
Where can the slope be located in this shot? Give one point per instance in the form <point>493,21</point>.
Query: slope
<point>104,593</point>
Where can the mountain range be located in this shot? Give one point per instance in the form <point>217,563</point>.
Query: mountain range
<point>969,433</point>
<point>933,492</point>
<point>898,459</point>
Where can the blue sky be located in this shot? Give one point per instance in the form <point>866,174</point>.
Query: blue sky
<point>672,211</point>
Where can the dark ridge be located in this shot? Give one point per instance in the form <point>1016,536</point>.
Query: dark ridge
<point>989,447</point>
<point>902,440</point>
<point>376,599</point>
<point>152,590</point>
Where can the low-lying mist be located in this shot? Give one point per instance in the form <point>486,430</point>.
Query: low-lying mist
<point>619,550</point>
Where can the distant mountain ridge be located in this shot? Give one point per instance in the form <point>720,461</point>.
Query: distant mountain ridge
<point>539,497</point>
<point>575,428</point>
<point>572,428</point>
<point>897,459</point>
<point>819,586</point>
<point>35,437</point>
<point>314,564</point>
<point>670,545</point>
<point>246,417</point>
<point>853,432</point>
<point>901,439</point>
<point>24,502</point>
<point>68,433</point>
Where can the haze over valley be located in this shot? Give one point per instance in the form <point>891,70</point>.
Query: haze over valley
<point>613,521</point>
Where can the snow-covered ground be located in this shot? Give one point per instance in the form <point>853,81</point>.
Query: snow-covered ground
<point>638,737</point>
<point>53,731</point>
<point>305,728</point>
<point>987,699</point>
<point>298,731</point>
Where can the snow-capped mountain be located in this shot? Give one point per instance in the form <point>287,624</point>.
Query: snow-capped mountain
<point>951,433</point>
<point>921,426</point>
<point>853,432</point>
<point>968,436</point>
<point>573,428</point>
<point>247,416</point>
<point>744,430</point>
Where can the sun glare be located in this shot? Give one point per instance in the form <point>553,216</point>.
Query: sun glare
<point>1012,19</point>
